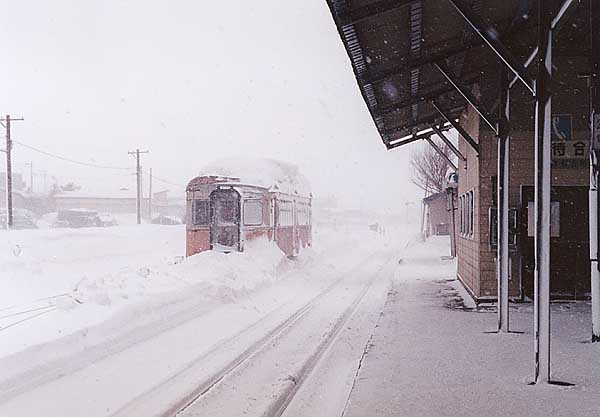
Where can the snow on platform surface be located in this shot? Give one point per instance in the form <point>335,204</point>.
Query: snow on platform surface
<point>429,356</point>
<point>268,173</point>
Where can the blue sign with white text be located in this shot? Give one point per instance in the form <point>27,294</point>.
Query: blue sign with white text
<point>562,127</point>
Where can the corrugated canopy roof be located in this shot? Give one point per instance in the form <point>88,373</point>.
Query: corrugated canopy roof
<point>394,45</point>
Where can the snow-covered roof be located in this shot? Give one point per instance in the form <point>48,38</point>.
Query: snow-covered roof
<point>112,193</point>
<point>440,195</point>
<point>268,173</point>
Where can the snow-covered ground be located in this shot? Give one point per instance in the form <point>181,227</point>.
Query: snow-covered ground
<point>73,299</point>
<point>114,322</point>
<point>57,281</point>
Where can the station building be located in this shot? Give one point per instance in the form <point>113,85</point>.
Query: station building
<point>422,70</point>
<point>437,220</point>
<point>477,191</point>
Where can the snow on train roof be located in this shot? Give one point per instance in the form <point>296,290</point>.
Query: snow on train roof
<point>268,173</point>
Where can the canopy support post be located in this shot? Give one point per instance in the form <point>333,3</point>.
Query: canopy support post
<point>594,170</point>
<point>543,178</point>
<point>502,264</point>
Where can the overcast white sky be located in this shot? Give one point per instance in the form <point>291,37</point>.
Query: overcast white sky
<point>192,81</point>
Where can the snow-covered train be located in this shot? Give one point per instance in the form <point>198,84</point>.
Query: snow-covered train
<point>267,199</point>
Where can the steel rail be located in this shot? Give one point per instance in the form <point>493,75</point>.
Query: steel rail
<point>213,380</point>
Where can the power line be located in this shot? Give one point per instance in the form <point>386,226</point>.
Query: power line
<point>163,180</point>
<point>73,161</point>
<point>166,181</point>
<point>91,165</point>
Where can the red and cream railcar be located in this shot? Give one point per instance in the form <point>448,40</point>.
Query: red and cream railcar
<point>223,213</point>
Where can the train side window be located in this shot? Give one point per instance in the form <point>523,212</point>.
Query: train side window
<point>303,219</point>
<point>253,213</point>
<point>200,212</point>
<point>286,215</point>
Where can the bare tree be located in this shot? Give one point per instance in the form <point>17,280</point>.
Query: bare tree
<point>429,168</point>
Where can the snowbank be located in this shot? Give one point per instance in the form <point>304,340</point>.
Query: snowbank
<point>93,284</point>
<point>57,281</point>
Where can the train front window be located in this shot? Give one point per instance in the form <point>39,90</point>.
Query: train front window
<point>200,209</point>
<point>253,213</point>
<point>227,211</point>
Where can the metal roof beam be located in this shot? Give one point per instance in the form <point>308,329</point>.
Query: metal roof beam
<point>556,26</point>
<point>424,60</point>
<point>372,10</point>
<point>457,126</point>
<point>486,32</point>
<point>383,111</point>
<point>410,138</point>
<point>441,153</point>
<point>403,132</point>
<point>468,96</point>
<point>397,143</point>
<point>448,143</point>
<point>416,136</point>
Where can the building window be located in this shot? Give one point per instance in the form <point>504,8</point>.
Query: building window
<point>253,213</point>
<point>463,216</point>
<point>467,213</point>
<point>200,212</point>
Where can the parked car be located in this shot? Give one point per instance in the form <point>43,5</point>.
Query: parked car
<point>107,219</point>
<point>77,218</point>
<point>166,220</point>
<point>22,219</point>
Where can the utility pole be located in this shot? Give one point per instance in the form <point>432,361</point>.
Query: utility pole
<point>45,176</point>
<point>30,176</point>
<point>451,192</point>
<point>9,202</point>
<point>150,196</point>
<point>138,174</point>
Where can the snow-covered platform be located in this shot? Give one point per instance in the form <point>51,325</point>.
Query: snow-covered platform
<point>429,356</point>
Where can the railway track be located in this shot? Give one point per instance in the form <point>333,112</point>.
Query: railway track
<point>12,316</point>
<point>192,403</point>
<point>166,399</point>
<point>278,407</point>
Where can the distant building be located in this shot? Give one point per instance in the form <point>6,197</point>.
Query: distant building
<point>19,199</point>
<point>18,194</point>
<point>165,205</point>
<point>118,201</point>
<point>17,181</point>
<point>112,201</point>
<point>437,215</point>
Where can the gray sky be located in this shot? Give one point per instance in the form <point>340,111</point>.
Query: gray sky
<point>192,81</point>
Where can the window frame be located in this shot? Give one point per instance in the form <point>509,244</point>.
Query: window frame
<point>285,207</point>
<point>194,212</point>
<point>467,214</point>
<point>262,212</point>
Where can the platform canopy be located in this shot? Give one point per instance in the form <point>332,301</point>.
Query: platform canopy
<point>407,54</point>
